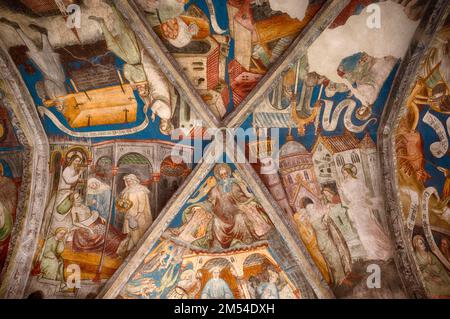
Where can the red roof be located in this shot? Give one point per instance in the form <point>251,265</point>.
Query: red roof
<point>340,143</point>
<point>367,142</point>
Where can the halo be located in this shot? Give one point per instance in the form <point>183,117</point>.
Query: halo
<point>73,152</point>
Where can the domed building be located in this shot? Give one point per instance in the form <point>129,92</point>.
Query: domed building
<point>297,173</point>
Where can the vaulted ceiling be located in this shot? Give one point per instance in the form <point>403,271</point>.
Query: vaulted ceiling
<point>281,149</point>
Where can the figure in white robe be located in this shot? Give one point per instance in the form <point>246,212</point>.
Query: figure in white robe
<point>373,238</point>
<point>158,95</point>
<point>46,59</point>
<point>216,287</point>
<point>59,206</point>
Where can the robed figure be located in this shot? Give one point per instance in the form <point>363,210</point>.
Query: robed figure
<point>135,204</point>
<point>231,212</point>
<point>216,287</point>
<point>89,233</point>
<point>60,203</point>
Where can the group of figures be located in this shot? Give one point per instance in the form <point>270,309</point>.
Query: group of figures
<point>10,182</point>
<point>217,247</point>
<point>84,224</point>
<point>327,177</point>
<point>225,47</point>
<point>57,92</point>
<point>224,214</point>
<point>92,85</point>
<point>423,165</point>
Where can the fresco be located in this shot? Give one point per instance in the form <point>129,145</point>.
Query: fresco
<point>11,156</point>
<point>321,162</point>
<point>225,47</point>
<point>421,150</point>
<point>129,214</point>
<point>109,113</point>
<point>220,245</point>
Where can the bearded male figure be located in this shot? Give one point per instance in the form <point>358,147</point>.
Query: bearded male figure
<point>237,217</point>
<point>138,216</point>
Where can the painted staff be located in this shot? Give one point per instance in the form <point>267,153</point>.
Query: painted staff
<point>97,277</point>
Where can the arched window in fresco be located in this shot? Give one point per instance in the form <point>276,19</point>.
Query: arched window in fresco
<point>174,167</point>
<point>291,181</point>
<point>137,164</point>
<point>340,160</point>
<point>173,171</point>
<point>355,158</point>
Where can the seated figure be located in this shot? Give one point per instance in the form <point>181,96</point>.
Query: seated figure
<point>89,230</point>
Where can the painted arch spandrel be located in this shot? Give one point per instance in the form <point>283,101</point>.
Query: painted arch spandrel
<point>109,113</point>
<point>313,141</point>
<point>421,151</point>
<point>225,47</point>
<point>220,245</point>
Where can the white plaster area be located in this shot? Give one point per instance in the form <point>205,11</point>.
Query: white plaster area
<point>391,39</point>
<point>89,30</point>
<point>296,9</point>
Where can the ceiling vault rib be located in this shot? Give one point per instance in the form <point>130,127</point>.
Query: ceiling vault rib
<point>311,273</point>
<point>283,225</point>
<point>169,66</point>
<point>27,226</point>
<point>17,99</point>
<point>403,84</point>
